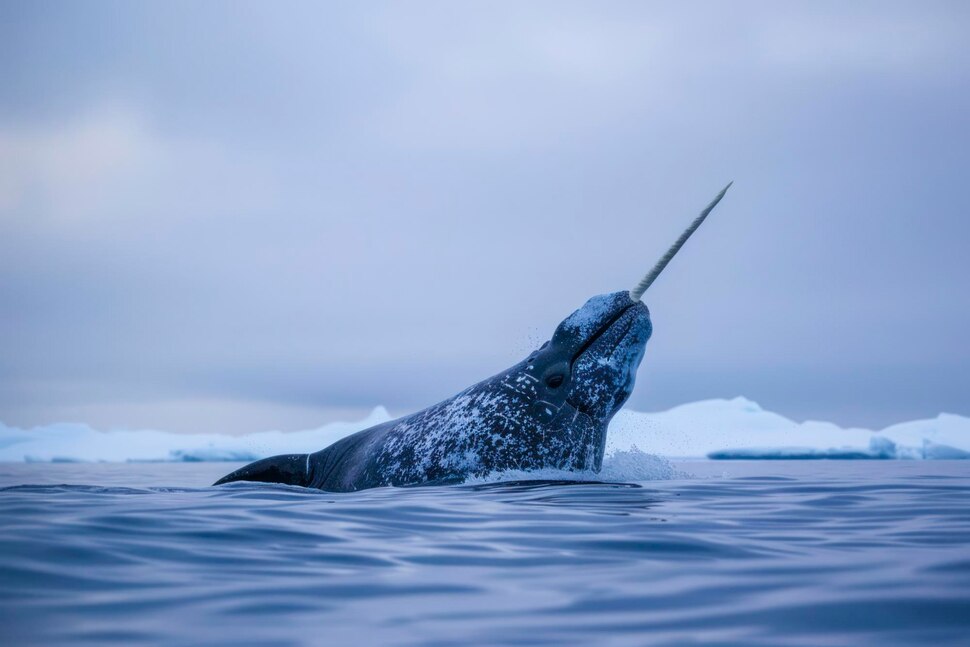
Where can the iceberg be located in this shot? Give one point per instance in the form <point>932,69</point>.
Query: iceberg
<point>75,442</point>
<point>716,429</point>
<point>741,429</point>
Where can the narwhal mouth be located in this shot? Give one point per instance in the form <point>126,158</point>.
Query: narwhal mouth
<point>619,360</point>
<point>621,337</point>
<point>603,329</point>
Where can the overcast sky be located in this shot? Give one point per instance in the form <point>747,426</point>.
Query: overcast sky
<point>232,217</point>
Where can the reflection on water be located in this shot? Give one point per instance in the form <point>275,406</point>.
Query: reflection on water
<point>769,554</point>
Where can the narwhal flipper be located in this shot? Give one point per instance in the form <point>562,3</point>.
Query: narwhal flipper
<point>289,469</point>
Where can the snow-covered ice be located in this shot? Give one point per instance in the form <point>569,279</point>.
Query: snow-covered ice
<point>737,428</point>
<point>740,428</point>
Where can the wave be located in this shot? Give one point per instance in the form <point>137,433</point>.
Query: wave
<point>718,429</point>
<point>619,466</point>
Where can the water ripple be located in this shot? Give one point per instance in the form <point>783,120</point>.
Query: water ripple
<point>843,555</point>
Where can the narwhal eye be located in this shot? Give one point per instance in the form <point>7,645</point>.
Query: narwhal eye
<point>554,381</point>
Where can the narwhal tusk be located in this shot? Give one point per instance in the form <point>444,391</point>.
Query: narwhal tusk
<point>652,275</point>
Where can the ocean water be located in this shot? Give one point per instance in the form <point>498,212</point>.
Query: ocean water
<point>741,553</point>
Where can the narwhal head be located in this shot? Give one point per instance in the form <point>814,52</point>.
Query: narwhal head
<point>591,361</point>
<point>588,368</point>
<point>575,383</point>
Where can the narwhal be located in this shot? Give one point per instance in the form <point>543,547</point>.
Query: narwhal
<point>551,410</point>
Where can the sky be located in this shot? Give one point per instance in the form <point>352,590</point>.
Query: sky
<point>230,217</point>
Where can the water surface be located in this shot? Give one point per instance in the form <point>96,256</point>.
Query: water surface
<point>779,553</point>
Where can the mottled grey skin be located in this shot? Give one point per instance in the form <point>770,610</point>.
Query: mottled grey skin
<point>550,410</point>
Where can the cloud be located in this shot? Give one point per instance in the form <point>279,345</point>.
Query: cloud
<point>861,40</point>
<point>63,173</point>
<point>353,205</point>
<point>107,165</point>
